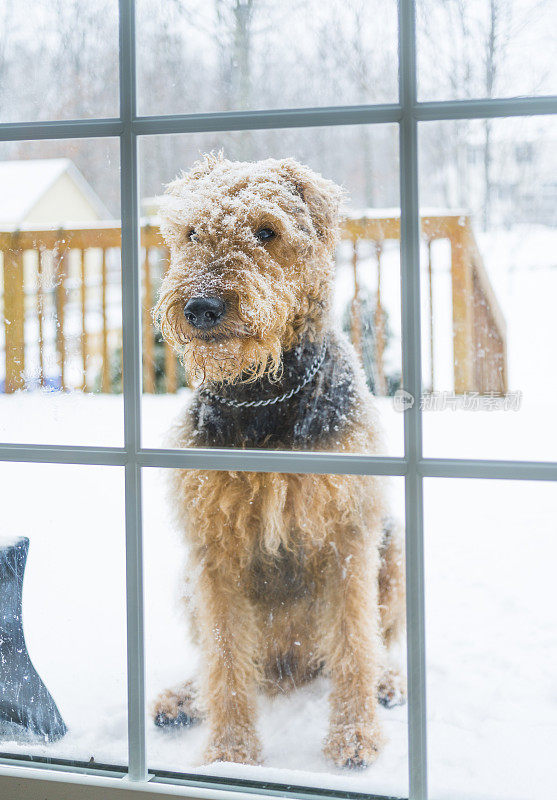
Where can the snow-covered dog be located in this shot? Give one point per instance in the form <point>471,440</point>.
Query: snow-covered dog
<point>293,574</point>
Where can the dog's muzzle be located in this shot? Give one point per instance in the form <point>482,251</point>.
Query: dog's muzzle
<point>204,312</point>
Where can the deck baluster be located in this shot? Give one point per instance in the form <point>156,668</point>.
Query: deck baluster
<point>105,372</point>
<point>61,267</point>
<point>379,324</point>
<point>148,333</point>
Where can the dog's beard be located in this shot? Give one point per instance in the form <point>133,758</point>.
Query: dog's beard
<point>232,359</point>
<point>235,351</point>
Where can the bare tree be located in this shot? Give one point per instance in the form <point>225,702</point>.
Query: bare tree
<point>5,27</point>
<point>467,51</point>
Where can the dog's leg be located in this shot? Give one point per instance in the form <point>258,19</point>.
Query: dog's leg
<point>391,691</point>
<point>177,707</point>
<point>392,582</point>
<point>392,685</point>
<point>353,654</point>
<point>229,638</point>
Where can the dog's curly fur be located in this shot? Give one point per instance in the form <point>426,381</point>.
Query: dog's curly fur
<point>290,574</point>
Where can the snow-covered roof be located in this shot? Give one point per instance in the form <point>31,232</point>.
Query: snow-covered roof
<point>24,182</point>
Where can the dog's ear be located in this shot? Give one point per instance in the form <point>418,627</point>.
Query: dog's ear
<point>322,197</point>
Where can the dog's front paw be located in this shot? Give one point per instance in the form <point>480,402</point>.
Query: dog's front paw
<point>243,749</point>
<point>355,745</point>
<point>392,689</point>
<point>176,707</point>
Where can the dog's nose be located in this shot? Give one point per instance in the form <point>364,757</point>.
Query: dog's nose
<point>204,312</point>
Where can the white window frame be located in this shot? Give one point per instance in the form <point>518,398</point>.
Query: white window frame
<point>22,779</point>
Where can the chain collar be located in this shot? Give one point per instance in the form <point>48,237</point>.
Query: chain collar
<point>271,401</point>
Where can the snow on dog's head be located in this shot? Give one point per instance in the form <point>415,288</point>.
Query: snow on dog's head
<point>251,263</point>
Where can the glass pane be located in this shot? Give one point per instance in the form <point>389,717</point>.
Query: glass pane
<point>60,293</point>
<point>491,648</point>
<point>489,283</point>
<point>276,294</point>
<point>265,592</point>
<point>63,661</point>
<point>486,48</point>
<point>69,53</point>
<point>231,55</point>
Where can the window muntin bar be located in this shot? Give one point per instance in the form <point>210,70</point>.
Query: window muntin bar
<point>282,462</point>
<point>79,128</point>
<point>343,115</point>
<point>282,118</point>
<point>411,364</point>
<point>131,317</point>
<point>479,109</point>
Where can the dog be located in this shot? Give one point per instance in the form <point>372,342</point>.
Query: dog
<point>291,575</point>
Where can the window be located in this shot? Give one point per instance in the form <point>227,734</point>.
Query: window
<point>453,199</point>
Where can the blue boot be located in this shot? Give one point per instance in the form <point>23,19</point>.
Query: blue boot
<point>24,699</point>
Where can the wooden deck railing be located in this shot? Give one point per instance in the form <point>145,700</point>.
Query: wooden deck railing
<point>69,281</point>
<point>479,328</point>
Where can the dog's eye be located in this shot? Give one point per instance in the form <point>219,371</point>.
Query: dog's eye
<point>192,236</point>
<point>265,234</point>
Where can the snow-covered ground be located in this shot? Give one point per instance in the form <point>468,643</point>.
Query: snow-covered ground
<point>491,549</point>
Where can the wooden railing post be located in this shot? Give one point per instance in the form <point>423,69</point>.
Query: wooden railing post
<point>379,324</point>
<point>60,265</point>
<point>463,311</point>
<point>170,368</point>
<point>14,316</point>
<point>489,345</point>
<point>83,303</point>
<point>148,333</point>
<point>490,329</point>
<point>40,312</point>
<point>355,309</point>
<point>169,354</point>
<point>502,360</point>
<point>105,370</point>
<point>431,325</point>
